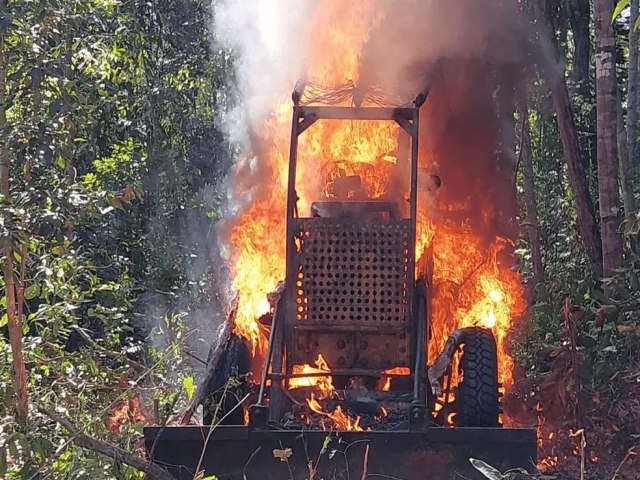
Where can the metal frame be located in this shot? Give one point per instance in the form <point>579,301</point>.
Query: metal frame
<point>303,118</point>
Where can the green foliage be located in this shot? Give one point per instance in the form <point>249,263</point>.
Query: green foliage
<point>189,386</point>
<point>620,6</point>
<point>115,159</point>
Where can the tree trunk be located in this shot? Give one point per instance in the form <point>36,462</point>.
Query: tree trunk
<point>579,15</point>
<point>14,321</point>
<point>632,88</point>
<point>626,168</point>
<point>531,204</point>
<point>607,121</point>
<point>554,77</point>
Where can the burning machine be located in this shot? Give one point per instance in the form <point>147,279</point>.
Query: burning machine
<point>355,303</point>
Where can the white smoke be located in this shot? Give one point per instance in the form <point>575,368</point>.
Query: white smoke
<point>264,36</point>
<point>268,40</point>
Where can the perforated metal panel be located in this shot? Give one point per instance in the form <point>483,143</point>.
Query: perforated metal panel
<point>351,273</point>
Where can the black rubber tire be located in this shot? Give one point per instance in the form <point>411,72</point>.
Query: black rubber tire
<point>478,398</point>
<point>235,364</point>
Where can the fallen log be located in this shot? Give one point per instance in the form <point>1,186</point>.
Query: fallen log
<point>226,329</point>
<point>81,439</point>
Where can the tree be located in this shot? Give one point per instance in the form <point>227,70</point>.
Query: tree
<point>625,164</point>
<point>632,85</point>
<point>531,204</point>
<point>579,15</point>
<point>554,77</point>
<point>13,318</point>
<point>607,121</point>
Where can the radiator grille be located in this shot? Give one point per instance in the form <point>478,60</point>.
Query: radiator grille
<point>351,273</point>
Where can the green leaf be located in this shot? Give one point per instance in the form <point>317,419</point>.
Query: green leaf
<point>622,4</point>
<point>4,320</point>
<point>325,444</point>
<point>637,24</point>
<point>32,291</point>
<point>189,386</point>
<point>138,427</point>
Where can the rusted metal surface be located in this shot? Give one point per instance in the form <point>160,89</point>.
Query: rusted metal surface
<point>352,273</point>
<point>432,454</point>
<point>349,277</point>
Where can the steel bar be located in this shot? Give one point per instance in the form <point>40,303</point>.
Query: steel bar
<point>418,400</point>
<point>354,372</point>
<point>358,113</point>
<point>267,362</point>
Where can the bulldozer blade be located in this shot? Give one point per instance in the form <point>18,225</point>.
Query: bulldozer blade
<point>237,452</point>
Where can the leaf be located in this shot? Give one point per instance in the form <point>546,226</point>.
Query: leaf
<point>60,163</point>
<point>325,444</point>
<point>487,470</point>
<point>282,454</point>
<point>622,4</point>
<point>200,476</point>
<point>32,291</point>
<point>189,386</point>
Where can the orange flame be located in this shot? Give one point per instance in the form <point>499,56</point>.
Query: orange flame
<point>328,150</point>
<point>323,383</point>
<point>471,288</point>
<point>339,420</point>
<point>471,285</point>
<point>393,371</point>
<point>126,412</point>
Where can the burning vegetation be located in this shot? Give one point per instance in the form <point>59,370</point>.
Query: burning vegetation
<point>126,412</point>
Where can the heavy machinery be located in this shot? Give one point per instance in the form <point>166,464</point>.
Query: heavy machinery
<point>354,295</point>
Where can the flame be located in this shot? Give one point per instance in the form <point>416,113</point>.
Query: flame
<point>339,420</point>
<point>336,419</point>
<point>471,285</point>
<point>548,463</point>
<point>471,288</point>
<point>393,371</point>
<point>327,151</point>
<point>323,383</point>
<point>127,411</point>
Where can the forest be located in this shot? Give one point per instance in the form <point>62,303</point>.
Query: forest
<point>142,206</point>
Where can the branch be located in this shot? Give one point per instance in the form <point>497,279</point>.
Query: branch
<point>107,353</point>
<point>81,439</point>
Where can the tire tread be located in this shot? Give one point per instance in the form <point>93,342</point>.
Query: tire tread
<point>478,398</point>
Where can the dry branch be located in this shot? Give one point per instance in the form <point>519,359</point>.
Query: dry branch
<point>212,365</point>
<point>107,353</point>
<point>81,439</point>
<point>365,464</point>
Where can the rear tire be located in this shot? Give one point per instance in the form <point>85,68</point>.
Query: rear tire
<point>478,399</point>
<point>232,372</point>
